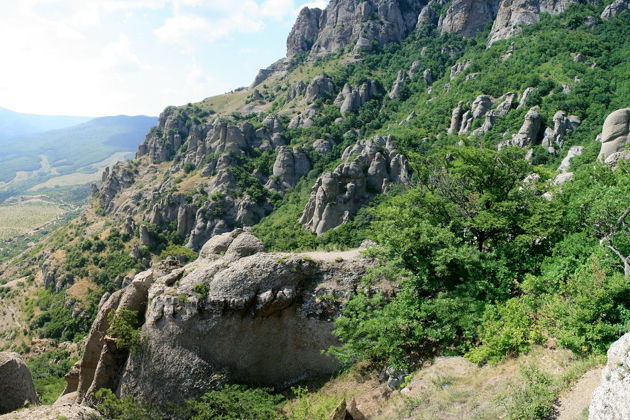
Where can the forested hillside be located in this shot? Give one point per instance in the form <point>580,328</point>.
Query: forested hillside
<point>463,159</point>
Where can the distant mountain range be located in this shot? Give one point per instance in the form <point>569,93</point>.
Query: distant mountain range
<point>70,155</point>
<point>14,124</point>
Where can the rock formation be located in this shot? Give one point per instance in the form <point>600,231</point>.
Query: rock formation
<point>235,314</point>
<point>289,167</point>
<point>505,106</point>
<point>615,9</point>
<point>611,399</point>
<point>468,17</point>
<point>354,22</point>
<point>563,127</point>
<point>352,98</point>
<point>321,86</point>
<point>361,23</point>
<point>16,384</point>
<point>528,134</point>
<point>304,32</point>
<point>399,83</point>
<point>369,167</point>
<point>513,14</point>
<point>615,134</point>
<point>456,119</point>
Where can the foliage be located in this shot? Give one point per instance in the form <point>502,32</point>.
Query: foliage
<point>179,252</point>
<point>235,402</point>
<point>48,371</point>
<point>125,408</point>
<point>124,328</point>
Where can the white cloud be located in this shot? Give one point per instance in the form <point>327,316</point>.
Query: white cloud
<point>177,28</point>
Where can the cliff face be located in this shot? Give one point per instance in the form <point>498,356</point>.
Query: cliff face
<point>362,24</point>
<point>354,23</point>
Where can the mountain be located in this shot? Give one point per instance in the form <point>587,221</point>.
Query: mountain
<point>415,180</point>
<point>82,148</point>
<point>13,124</point>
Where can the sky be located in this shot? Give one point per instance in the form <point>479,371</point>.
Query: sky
<point>112,57</point>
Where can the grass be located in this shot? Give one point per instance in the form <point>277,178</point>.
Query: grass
<point>19,219</point>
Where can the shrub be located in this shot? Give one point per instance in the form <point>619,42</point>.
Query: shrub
<point>236,402</point>
<point>124,327</point>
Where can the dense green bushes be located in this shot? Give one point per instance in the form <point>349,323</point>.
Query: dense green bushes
<point>233,402</point>
<point>48,371</point>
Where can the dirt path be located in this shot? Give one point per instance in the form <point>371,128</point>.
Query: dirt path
<point>351,254</point>
<point>573,404</point>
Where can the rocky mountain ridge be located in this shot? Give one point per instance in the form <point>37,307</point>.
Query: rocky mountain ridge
<point>362,24</point>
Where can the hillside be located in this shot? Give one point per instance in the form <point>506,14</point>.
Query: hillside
<point>15,124</point>
<point>469,155</point>
<point>54,157</point>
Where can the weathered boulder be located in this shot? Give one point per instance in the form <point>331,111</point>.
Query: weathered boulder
<point>481,105</point>
<point>611,399</point>
<point>320,86</point>
<point>525,96</point>
<point>289,167</point>
<point>16,384</point>
<point>236,314</point>
<point>370,167</point>
<point>615,134</point>
<point>566,162</point>
<point>323,146</point>
<point>304,32</point>
<point>615,9</point>
<point>507,101</point>
<point>296,90</point>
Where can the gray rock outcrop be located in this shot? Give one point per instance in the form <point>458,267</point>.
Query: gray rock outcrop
<point>563,127</point>
<point>16,386</point>
<point>611,399</point>
<point>616,8</point>
<point>352,98</point>
<point>235,314</point>
<point>428,15</point>
<point>321,86</point>
<point>456,119</point>
<point>514,14</point>
<point>354,23</point>
<point>399,83</point>
<point>370,167</point>
<point>289,167</point>
<point>528,134</point>
<point>468,17</point>
<point>65,407</point>
<point>615,134</point>
<point>304,32</point>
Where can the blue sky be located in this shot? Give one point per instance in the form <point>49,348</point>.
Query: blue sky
<point>110,57</point>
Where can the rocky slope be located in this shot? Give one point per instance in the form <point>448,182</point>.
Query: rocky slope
<point>304,157</point>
